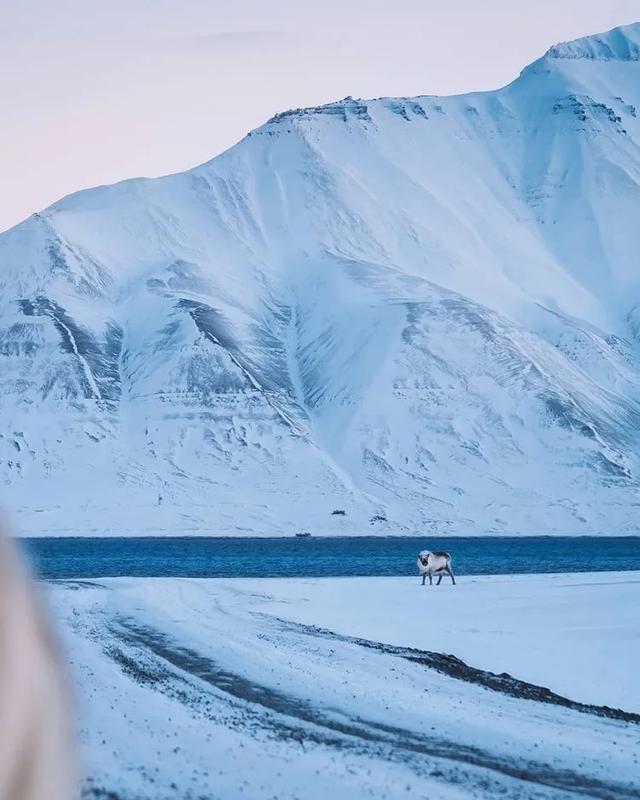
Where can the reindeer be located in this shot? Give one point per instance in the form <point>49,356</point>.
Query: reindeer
<point>437,563</point>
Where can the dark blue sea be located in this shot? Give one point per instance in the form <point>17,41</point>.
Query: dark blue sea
<point>260,557</point>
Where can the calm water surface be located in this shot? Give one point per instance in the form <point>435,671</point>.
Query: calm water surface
<point>251,557</point>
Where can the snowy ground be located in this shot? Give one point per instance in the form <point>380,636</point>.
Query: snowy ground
<point>298,688</point>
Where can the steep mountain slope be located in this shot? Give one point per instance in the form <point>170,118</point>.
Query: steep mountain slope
<point>424,310</point>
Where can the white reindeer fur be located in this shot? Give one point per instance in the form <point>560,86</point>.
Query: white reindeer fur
<point>436,564</point>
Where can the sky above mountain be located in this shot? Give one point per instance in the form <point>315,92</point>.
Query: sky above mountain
<point>95,92</point>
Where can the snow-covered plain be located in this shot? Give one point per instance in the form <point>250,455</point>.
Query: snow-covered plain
<point>294,688</point>
<point>423,310</point>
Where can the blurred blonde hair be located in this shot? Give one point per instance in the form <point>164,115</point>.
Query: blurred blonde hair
<point>35,737</point>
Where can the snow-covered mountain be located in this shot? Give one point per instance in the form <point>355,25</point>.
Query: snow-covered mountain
<point>424,311</point>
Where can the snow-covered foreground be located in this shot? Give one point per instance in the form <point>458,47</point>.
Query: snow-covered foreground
<point>577,634</point>
<point>298,688</point>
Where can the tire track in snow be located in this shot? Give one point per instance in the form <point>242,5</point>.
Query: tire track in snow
<point>294,718</point>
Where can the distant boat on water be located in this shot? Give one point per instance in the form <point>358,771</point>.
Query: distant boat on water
<point>303,535</point>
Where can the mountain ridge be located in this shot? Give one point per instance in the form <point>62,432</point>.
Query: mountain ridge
<point>419,311</point>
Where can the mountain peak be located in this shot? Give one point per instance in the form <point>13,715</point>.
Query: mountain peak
<point>618,44</point>
<point>422,310</point>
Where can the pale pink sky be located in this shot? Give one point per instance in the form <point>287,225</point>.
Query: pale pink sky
<point>93,91</point>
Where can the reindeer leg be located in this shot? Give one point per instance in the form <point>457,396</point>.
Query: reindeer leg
<point>439,580</point>
<point>423,577</point>
<point>430,579</point>
<point>450,571</point>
